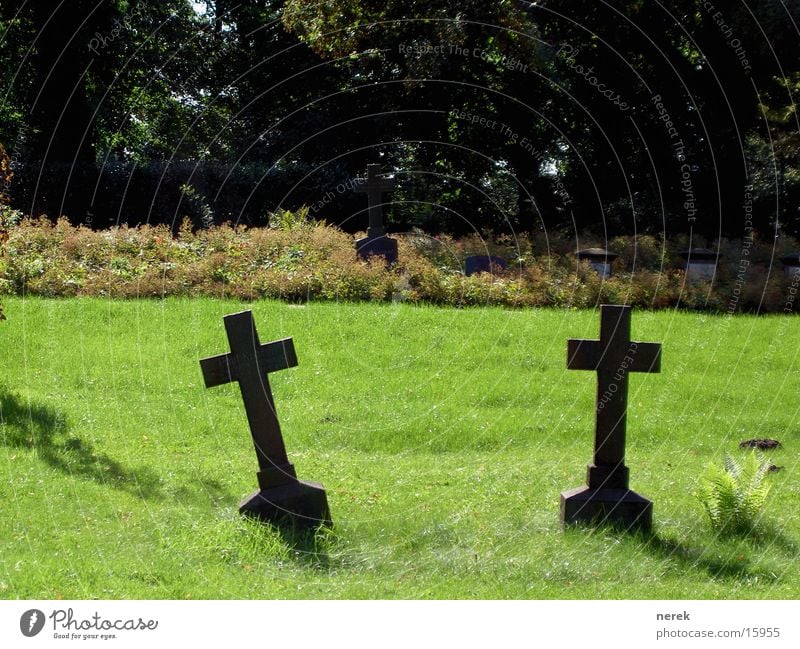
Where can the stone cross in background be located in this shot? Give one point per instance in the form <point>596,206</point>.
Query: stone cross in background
<point>376,242</point>
<point>613,357</point>
<point>281,494</point>
<point>374,186</point>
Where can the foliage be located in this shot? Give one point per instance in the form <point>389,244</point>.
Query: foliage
<point>196,200</point>
<point>288,220</point>
<point>735,494</point>
<point>6,213</point>
<point>490,113</point>
<point>299,259</point>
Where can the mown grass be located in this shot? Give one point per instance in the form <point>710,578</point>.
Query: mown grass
<point>443,436</point>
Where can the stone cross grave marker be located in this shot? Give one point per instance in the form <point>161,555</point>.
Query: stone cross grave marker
<point>281,495</point>
<point>376,242</point>
<point>613,357</point>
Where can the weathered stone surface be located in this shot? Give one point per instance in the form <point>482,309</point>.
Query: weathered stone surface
<point>600,259</point>
<point>701,264</point>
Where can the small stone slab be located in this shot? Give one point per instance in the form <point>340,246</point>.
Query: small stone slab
<point>300,503</point>
<point>616,506</point>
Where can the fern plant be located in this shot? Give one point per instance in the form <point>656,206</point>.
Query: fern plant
<point>735,494</point>
<point>288,220</point>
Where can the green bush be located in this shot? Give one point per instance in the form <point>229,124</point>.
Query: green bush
<point>8,217</point>
<point>299,259</point>
<point>735,494</point>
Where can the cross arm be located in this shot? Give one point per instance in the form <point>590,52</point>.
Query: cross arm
<point>277,355</point>
<point>271,357</point>
<point>365,185</point>
<point>646,357</point>
<point>637,357</point>
<point>219,370</point>
<point>583,354</point>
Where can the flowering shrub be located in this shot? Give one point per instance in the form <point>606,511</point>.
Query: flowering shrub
<point>7,216</point>
<point>297,259</point>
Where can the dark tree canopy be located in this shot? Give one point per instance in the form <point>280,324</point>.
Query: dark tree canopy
<point>618,116</point>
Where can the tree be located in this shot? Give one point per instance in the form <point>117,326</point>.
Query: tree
<point>419,76</point>
<point>634,114</point>
<point>6,175</point>
<point>95,85</point>
<point>618,116</point>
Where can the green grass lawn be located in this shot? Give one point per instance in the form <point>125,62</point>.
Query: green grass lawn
<point>444,438</point>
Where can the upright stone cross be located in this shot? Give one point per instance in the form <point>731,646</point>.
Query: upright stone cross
<point>613,357</point>
<point>281,495</point>
<point>374,186</point>
<point>376,242</point>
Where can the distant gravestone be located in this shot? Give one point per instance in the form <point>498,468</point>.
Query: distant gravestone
<point>483,264</point>
<point>791,265</point>
<point>281,496</point>
<point>600,259</point>
<point>701,264</point>
<point>607,496</point>
<point>376,242</point>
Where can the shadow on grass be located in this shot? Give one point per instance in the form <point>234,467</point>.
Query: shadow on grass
<point>204,490</point>
<point>768,534</point>
<point>309,546</point>
<point>696,558</point>
<point>726,558</point>
<point>31,426</point>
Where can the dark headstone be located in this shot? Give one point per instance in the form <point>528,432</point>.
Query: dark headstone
<point>701,263</point>
<point>791,264</point>
<point>376,242</point>
<point>281,496</point>
<point>607,496</point>
<point>380,247</point>
<point>483,264</point>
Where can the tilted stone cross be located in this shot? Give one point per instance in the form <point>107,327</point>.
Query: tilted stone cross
<point>374,186</point>
<point>281,494</point>
<point>613,357</point>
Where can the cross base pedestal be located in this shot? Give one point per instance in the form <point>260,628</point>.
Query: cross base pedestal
<point>617,506</point>
<point>379,246</point>
<point>608,477</point>
<point>303,504</point>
